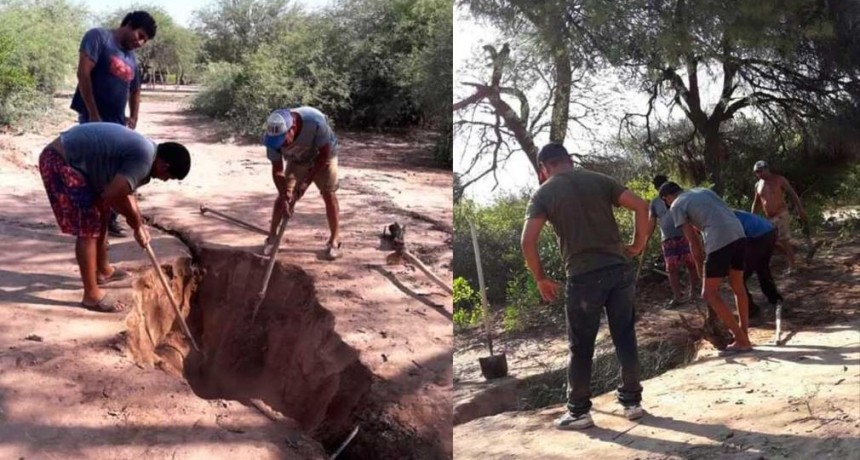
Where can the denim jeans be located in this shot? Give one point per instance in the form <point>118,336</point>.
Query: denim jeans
<point>588,294</point>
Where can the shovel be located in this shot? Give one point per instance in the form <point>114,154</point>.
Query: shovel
<point>169,292</point>
<point>271,265</point>
<point>493,366</point>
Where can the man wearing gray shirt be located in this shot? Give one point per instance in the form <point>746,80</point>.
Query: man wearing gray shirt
<point>92,168</point>
<point>703,210</point>
<point>304,139</point>
<point>676,248</point>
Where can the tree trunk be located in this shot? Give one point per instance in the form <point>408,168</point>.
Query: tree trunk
<point>561,98</point>
<point>713,157</point>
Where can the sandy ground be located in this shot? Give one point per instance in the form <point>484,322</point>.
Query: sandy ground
<point>68,391</point>
<point>801,400</point>
<point>797,401</point>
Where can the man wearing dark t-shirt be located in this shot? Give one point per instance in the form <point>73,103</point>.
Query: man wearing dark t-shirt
<point>579,206</point>
<point>108,78</point>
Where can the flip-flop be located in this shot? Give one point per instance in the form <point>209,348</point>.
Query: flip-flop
<point>107,304</point>
<point>117,275</point>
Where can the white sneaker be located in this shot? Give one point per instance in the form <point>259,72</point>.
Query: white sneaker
<point>569,422</point>
<point>634,412</point>
<point>332,252</point>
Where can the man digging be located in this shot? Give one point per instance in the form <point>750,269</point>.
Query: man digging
<point>703,210</point>
<point>761,240</point>
<point>108,78</point>
<point>770,193</point>
<point>579,204</point>
<point>676,248</point>
<point>90,169</point>
<point>303,138</point>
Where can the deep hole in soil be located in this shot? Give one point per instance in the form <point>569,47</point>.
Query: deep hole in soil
<point>290,357</point>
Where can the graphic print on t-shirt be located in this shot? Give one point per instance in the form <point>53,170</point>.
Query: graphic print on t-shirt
<point>121,70</point>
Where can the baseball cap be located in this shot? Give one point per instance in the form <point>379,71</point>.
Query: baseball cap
<point>759,165</point>
<point>552,151</point>
<point>669,188</point>
<point>277,125</point>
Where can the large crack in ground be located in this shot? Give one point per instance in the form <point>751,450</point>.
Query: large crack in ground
<point>289,357</point>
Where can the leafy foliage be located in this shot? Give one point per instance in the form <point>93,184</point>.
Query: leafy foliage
<point>38,54</point>
<point>365,63</point>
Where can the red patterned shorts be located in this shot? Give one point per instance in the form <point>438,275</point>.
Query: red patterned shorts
<point>75,205</point>
<point>676,251</point>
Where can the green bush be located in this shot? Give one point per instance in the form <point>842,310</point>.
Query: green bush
<point>467,304</point>
<point>365,63</point>
<point>38,55</point>
<point>216,100</point>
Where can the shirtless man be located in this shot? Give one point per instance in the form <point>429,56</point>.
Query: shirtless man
<point>770,196</point>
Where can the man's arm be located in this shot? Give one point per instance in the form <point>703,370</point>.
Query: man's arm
<point>695,248</point>
<point>278,176</point>
<point>118,196</point>
<point>529,244</point>
<point>794,198</point>
<point>85,84</point>
<point>282,202</point>
<point>133,107</point>
<point>756,206</point>
<point>633,202</point>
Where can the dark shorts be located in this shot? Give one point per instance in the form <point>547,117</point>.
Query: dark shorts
<point>730,256</point>
<point>676,251</point>
<point>75,205</point>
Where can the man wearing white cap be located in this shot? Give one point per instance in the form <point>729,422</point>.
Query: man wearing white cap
<point>770,193</point>
<point>303,137</point>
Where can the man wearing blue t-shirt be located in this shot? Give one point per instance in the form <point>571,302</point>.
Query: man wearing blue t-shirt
<point>94,167</point>
<point>761,241</point>
<point>108,77</point>
<point>304,139</point>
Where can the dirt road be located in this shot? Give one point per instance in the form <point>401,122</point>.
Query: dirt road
<point>799,401</point>
<point>68,387</point>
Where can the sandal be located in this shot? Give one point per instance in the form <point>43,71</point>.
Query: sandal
<point>117,275</point>
<point>107,304</point>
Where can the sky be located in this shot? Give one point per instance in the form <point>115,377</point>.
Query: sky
<point>517,174</point>
<point>180,10</point>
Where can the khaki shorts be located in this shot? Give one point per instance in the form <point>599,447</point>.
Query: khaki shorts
<point>325,180</point>
<point>782,222</point>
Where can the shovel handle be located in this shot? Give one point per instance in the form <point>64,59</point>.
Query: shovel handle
<point>262,294</point>
<point>169,292</point>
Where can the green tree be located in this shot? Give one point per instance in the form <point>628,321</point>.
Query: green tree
<point>175,49</point>
<point>769,56</point>
<point>45,37</point>
<point>234,29</point>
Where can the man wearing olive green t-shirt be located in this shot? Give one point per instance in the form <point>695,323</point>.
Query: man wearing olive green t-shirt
<point>579,206</point>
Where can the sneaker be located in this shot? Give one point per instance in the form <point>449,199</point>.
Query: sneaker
<point>115,230</point>
<point>332,252</point>
<point>569,422</point>
<point>634,412</point>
